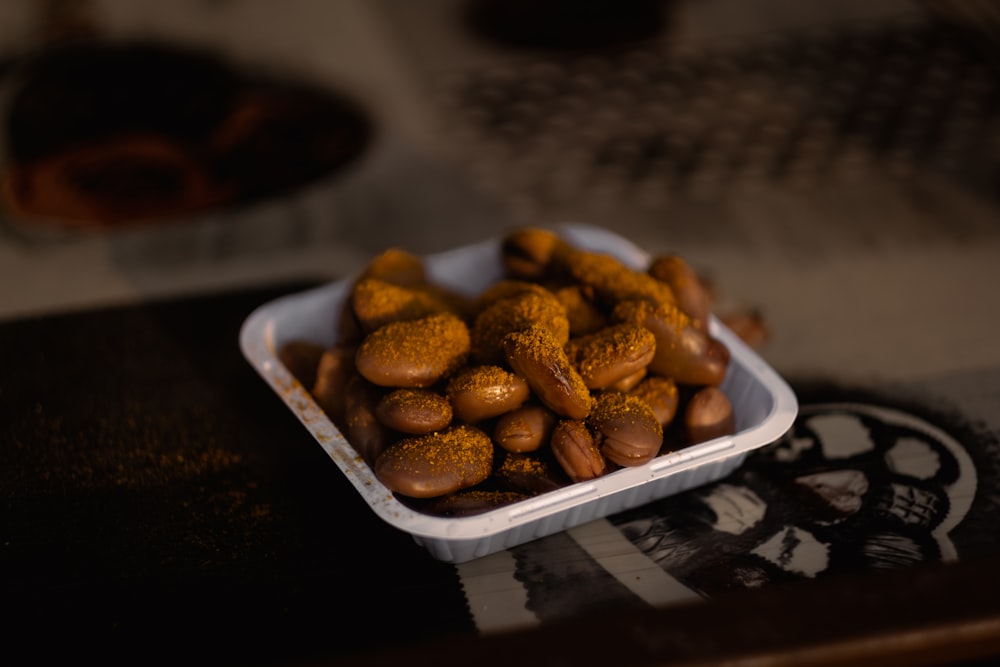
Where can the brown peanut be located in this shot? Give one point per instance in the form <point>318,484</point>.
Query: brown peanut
<point>661,395</point>
<point>397,266</point>
<point>505,289</point>
<point>435,464</point>
<point>749,325</point>
<point>583,314</point>
<point>301,358</point>
<point>692,296</point>
<point>537,356</point>
<point>414,411</point>
<point>481,392</point>
<point>514,313</point>
<point>611,354</point>
<point>363,429</point>
<point>628,382</point>
<point>625,429</point>
<point>527,253</point>
<point>376,302</point>
<point>530,473</point>
<point>683,353</point>
<point>470,502</point>
<point>414,353</point>
<point>333,372</point>
<point>574,448</point>
<point>524,429</point>
<point>611,281</point>
<point>709,415</point>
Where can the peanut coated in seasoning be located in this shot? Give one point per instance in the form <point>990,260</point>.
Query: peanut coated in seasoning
<point>414,353</point>
<point>377,302</point>
<point>536,355</point>
<point>611,354</point>
<point>583,314</point>
<point>531,473</point>
<point>470,502</point>
<point>661,395</point>
<point>683,353</point>
<point>481,392</point>
<point>628,382</point>
<point>414,411</point>
<point>611,281</point>
<point>625,429</point>
<point>527,253</point>
<point>435,464</point>
<point>397,266</point>
<point>692,296</point>
<point>514,313</point>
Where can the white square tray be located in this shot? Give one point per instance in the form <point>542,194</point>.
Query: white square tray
<point>764,405</point>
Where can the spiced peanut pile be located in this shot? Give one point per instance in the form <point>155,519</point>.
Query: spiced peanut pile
<point>571,366</point>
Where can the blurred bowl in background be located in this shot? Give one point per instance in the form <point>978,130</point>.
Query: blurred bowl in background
<point>108,134</point>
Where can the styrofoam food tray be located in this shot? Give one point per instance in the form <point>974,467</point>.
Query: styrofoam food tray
<point>764,406</point>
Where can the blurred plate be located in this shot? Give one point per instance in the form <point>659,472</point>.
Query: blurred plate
<point>106,135</point>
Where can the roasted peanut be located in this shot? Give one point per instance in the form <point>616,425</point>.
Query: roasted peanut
<point>583,314</point>
<point>414,411</point>
<point>333,372</point>
<point>574,448</point>
<point>625,428</point>
<point>683,353</point>
<point>424,466</point>
<point>301,358</point>
<point>377,302</point>
<point>630,381</point>
<point>708,415</point>
<point>530,473</point>
<point>505,289</point>
<point>481,392</point>
<point>661,395</point>
<point>693,298</point>
<point>514,313</point>
<point>414,353</point>
<point>611,354</point>
<point>524,429</point>
<point>611,281</point>
<point>527,253</point>
<point>536,355</point>
<point>471,502</point>
<point>749,325</point>
<point>363,429</point>
<point>396,266</point>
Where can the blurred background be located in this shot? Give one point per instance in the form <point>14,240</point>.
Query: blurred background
<point>829,167</point>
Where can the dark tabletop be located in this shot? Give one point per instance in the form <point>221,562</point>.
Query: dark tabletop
<point>155,491</point>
